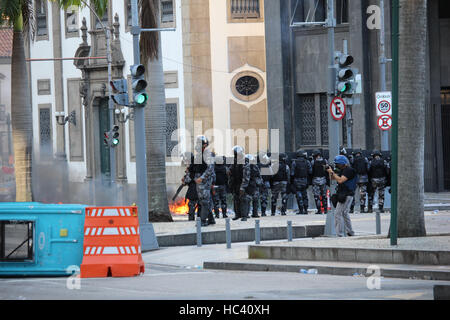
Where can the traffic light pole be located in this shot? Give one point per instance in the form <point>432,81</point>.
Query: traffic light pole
<point>148,238</point>
<point>333,125</point>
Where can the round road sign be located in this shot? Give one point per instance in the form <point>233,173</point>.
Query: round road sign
<point>384,107</point>
<point>337,108</point>
<point>384,122</point>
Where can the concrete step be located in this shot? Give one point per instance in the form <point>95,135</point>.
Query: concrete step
<point>350,254</point>
<point>239,235</point>
<point>334,268</point>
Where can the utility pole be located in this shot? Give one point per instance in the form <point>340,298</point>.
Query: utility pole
<point>383,61</point>
<point>394,166</point>
<point>148,238</point>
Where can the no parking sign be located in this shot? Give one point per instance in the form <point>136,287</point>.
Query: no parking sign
<point>337,108</point>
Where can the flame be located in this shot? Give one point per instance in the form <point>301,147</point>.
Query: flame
<point>179,207</point>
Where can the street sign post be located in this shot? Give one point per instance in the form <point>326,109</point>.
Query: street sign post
<point>337,108</point>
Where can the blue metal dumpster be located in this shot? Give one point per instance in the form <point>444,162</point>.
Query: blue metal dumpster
<point>39,239</point>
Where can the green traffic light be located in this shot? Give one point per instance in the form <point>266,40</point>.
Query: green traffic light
<point>115,142</point>
<point>141,98</point>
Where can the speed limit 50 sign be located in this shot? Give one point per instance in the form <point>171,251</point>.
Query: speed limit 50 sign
<point>383,103</point>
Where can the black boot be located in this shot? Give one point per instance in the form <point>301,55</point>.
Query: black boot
<point>224,212</point>
<point>381,208</point>
<point>369,209</point>
<point>263,212</point>
<point>216,212</point>
<point>362,209</point>
<point>352,209</point>
<point>305,210</point>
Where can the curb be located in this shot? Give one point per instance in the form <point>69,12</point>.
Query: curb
<point>330,270</point>
<point>364,255</point>
<point>240,235</point>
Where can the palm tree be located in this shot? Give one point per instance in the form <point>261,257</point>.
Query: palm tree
<point>411,126</point>
<point>19,15</point>
<point>155,114</point>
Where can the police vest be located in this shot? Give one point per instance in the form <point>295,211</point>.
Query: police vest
<point>301,168</point>
<point>281,175</point>
<point>377,168</point>
<point>221,174</point>
<point>360,165</point>
<point>318,169</point>
<point>237,174</point>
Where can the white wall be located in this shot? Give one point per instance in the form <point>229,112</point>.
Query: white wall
<point>172,60</point>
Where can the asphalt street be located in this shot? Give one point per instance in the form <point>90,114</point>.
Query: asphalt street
<point>176,273</point>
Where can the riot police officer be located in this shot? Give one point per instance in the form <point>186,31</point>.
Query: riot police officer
<point>361,165</point>
<point>188,179</point>
<point>319,181</point>
<point>378,173</point>
<point>301,169</point>
<point>265,168</point>
<point>279,184</point>
<point>220,187</point>
<point>254,184</point>
<point>239,180</point>
<point>204,176</point>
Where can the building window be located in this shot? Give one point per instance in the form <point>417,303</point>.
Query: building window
<point>244,11</point>
<point>247,86</point>
<point>43,87</point>
<point>166,11</point>
<point>311,118</point>
<point>171,126</point>
<point>308,120</point>
<point>341,11</point>
<point>310,11</point>
<point>41,18</point>
<point>45,133</point>
<point>324,119</point>
<point>71,16</point>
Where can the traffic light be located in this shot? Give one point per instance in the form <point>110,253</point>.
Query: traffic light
<point>115,136</point>
<point>111,138</point>
<point>139,84</point>
<point>345,75</point>
<point>120,92</point>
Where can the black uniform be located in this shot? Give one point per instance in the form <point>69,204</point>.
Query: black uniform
<point>319,181</point>
<point>220,189</point>
<point>279,186</point>
<point>301,169</point>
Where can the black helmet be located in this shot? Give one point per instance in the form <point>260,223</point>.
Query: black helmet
<point>203,140</point>
<point>283,157</point>
<point>301,153</point>
<point>316,153</point>
<point>376,153</point>
<point>343,151</point>
<point>356,151</point>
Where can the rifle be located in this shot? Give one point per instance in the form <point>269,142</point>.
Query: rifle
<point>178,191</point>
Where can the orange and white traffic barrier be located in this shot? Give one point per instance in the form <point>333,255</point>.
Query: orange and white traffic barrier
<point>111,244</point>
